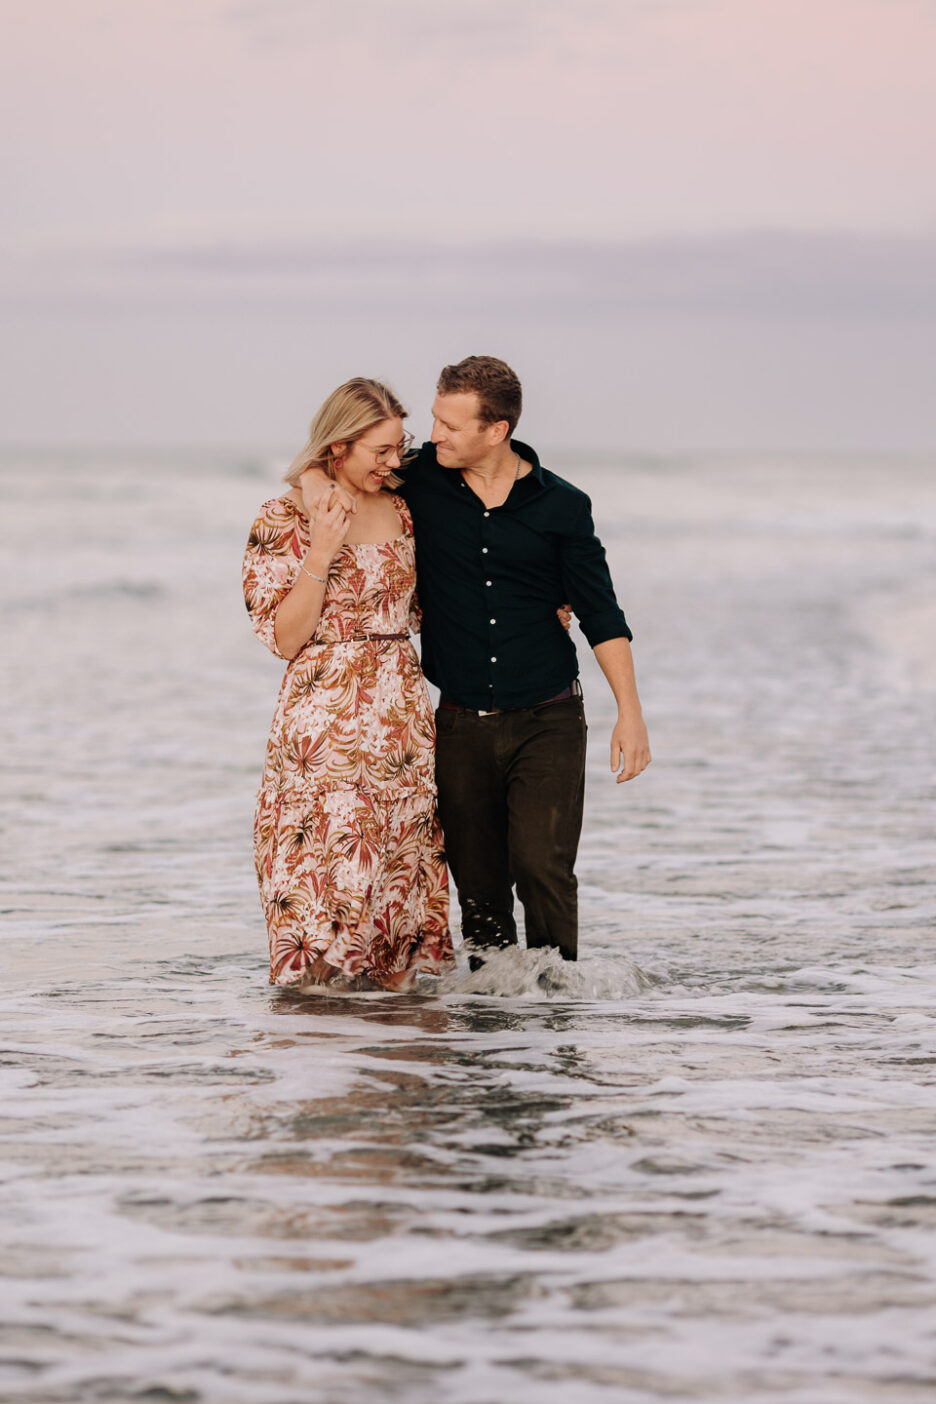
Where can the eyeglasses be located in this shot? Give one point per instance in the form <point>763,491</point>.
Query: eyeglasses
<point>386,451</point>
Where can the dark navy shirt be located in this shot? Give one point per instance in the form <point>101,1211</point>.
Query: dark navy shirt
<point>491,578</point>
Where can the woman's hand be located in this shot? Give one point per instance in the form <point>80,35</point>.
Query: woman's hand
<point>314,484</point>
<point>329,515</point>
<point>329,524</point>
<point>565,616</point>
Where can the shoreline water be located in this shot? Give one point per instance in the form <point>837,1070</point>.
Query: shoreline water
<point>701,1165</point>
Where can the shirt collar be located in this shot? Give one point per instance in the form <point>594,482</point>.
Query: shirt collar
<point>530,456</point>
<point>427,453</point>
<point>528,487</point>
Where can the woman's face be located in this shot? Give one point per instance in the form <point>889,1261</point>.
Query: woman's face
<point>370,458</point>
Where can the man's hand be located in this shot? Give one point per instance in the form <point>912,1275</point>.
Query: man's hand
<point>314,484</point>
<point>565,616</point>
<point>630,748</point>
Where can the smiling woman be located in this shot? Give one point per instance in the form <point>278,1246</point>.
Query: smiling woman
<point>350,412</point>
<point>347,843</point>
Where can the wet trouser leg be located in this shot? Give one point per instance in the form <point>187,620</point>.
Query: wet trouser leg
<point>545,798</point>
<point>473,812</point>
<point>511,791</point>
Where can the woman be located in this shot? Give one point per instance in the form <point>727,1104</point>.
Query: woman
<point>347,843</point>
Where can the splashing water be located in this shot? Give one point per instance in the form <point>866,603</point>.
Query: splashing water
<point>515,973</point>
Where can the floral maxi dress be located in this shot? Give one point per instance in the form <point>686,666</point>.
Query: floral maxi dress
<point>347,842</point>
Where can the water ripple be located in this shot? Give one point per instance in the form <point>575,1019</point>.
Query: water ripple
<point>697,1165</point>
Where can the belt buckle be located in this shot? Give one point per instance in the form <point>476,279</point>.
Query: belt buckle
<point>487,714</point>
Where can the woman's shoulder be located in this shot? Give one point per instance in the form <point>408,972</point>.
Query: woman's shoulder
<point>282,506</point>
<point>274,524</point>
<point>403,512</point>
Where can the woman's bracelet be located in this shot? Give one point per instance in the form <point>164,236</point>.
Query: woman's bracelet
<point>320,578</point>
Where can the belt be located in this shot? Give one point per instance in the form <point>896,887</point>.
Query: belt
<point>573,690</point>
<point>361,638</point>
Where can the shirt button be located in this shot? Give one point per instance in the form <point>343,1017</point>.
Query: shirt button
<point>493,660</point>
<point>487,582</point>
<point>487,514</point>
<point>492,621</point>
<point>484,550</point>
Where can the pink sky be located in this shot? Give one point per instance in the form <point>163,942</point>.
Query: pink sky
<point>196,119</point>
<point>184,178</point>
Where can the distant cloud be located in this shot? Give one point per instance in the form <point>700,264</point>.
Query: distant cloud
<point>404,20</point>
<point>450,24</point>
<point>749,276</point>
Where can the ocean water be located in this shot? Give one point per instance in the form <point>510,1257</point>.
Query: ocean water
<point>698,1166</point>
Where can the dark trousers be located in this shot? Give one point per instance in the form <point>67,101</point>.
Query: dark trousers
<point>511,790</point>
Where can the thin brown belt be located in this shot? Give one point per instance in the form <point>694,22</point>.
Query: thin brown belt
<point>573,690</point>
<point>362,638</point>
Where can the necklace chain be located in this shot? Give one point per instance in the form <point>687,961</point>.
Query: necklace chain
<point>516,473</point>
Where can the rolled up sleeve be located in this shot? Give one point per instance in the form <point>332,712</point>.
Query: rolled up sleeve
<point>587,581</point>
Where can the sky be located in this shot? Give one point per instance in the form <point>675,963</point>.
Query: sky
<point>690,224</point>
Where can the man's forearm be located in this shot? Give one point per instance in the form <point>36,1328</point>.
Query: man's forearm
<point>630,748</point>
<point>617,663</point>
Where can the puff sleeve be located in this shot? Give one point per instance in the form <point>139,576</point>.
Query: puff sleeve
<point>271,565</point>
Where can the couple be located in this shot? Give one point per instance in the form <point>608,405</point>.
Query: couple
<point>347,834</point>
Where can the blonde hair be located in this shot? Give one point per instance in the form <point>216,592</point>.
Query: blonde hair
<point>348,413</point>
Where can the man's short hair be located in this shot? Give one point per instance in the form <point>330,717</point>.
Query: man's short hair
<point>495,384</point>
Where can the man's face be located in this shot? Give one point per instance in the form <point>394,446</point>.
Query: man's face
<point>460,438</point>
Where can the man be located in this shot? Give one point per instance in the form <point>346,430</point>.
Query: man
<point>501,542</point>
